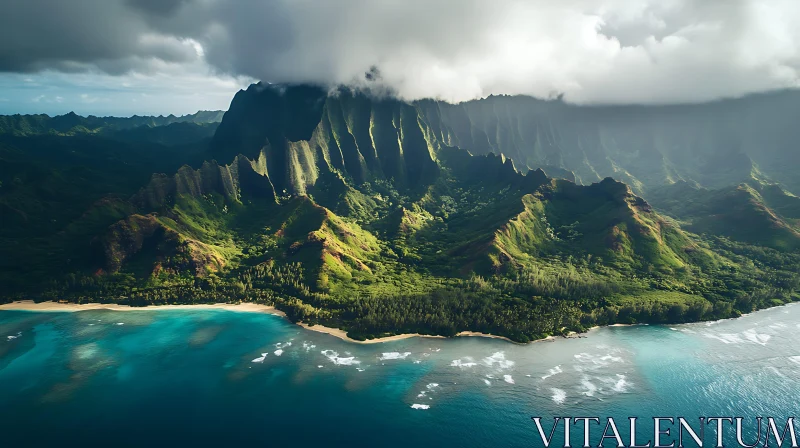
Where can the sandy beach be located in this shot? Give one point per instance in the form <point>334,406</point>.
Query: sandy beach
<point>341,334</point>
<point>29,305</point>
<point>485,335</point>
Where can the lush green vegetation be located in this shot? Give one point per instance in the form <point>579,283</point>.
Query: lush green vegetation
<point>369,221</point>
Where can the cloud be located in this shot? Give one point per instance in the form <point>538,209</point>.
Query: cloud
<point>591,51</point>
<point>44,99</point>
<point>83,34</point>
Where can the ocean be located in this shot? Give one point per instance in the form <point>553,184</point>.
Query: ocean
<point>222,378</point>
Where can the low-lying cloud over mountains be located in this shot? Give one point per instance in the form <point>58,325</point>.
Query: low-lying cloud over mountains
<point>591,51</point>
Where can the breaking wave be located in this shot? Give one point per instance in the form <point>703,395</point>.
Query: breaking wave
<point>334,358</point>
<point>554,371</point>
<point>499,360</point>
<point>559,396</point>
<point>394,355</point>
<point>466,361</point>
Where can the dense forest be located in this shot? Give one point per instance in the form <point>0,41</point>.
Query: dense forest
<point>363,214</point>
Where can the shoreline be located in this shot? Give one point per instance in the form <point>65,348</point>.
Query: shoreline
<point>341,334</point>
<point>249,307</point>
<point>245,307</point>
<point>30,305</point>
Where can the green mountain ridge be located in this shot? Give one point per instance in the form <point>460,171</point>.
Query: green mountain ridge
<point>72,124</point>
<point>712,144</point>
<point>755,213</point>
<point>369,214</point>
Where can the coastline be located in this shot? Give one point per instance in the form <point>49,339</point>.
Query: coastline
<point>245,307</point>
<point>249,307</point>
<point>30,305</point>
<point>341,334</point>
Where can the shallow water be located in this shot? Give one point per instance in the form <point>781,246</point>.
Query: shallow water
<point>222,378</point>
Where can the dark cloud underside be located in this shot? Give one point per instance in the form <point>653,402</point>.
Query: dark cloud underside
<point>619,51</point>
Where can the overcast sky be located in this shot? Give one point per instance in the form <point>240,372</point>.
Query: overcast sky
<point>126,57</point>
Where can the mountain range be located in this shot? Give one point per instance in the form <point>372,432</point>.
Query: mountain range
<point>508,215</point>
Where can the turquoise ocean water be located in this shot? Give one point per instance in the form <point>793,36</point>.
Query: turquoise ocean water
<point>200,378</point>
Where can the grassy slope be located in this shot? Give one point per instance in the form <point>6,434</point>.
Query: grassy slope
<point>753,213</point>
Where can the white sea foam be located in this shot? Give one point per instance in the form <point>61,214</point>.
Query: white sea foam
<point>360,369</point>
<point>12,337</point>
<point>334,358</point>
<point>498,359</point>
<point>120,323</point>
<point>466,361</point>
<point>394,355</point>
<point>673,329</point>
<point>558,395</point>
<point>432,386</point>
<point>508,379</point>
<point>261,358</point>
<point>740,338</point>
<point>420,406</point>
<point>319,367</point>
<point>307,346</point>
<point>621,385</point>
<point>488,383</point>
<point>727,338</point>
<point>588,387</point>
<point>610,358</point>
<point>278,352</point>
<point>594,362</point>
<point>417,361</point>
<point>758,338</point>
<point>794,359</point>
<point>283,344</point>
<point>554,371</point>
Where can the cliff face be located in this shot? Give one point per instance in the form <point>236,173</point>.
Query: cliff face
<point>302,131</point>
<point>242,175</point>
<point>714,145</point>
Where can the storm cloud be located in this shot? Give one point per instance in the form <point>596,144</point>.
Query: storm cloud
<point>591,51</point>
